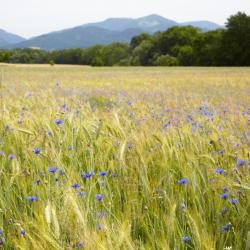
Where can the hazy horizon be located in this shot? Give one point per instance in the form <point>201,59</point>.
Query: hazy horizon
<point>35,17</point>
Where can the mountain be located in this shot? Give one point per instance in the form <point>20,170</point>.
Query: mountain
<point>79,37</point>
<point>148,24</point>
<point>203,25</point>
<point>105,32</point>
<point>9,38</point>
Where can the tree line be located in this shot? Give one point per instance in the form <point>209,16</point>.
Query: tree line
<point>177,46</point>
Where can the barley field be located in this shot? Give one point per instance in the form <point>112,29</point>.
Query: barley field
<point>124,158</point>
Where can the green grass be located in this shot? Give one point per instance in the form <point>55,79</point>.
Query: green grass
<point>148,128</point>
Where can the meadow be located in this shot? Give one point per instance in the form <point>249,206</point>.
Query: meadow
<point>124,158</point>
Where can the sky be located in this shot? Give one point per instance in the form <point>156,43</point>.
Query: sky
<point>29,18</point>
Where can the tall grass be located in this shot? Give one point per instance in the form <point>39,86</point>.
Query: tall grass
<point>124,158</point>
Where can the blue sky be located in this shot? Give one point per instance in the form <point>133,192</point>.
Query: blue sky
<point>33,17</point>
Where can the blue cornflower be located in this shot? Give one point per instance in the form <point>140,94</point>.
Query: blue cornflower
<point>37,181</point>
<point>224,195</point>
<point>1,231</point>
<point>183,181</point>
<point>76,185</point>
<point>186,238</point>
<point>226,228</point>
<point>81,193</point>
<point>49,133</point>
<point>103,173</point>
<point>36,151</point>
<point>220,170</point>
<point>79,244</point>
<point>42,174</point>
<point>56,179</point>
<point>32,198</point>
<point>61,172</point>
<point>182,206</point>
<point>71,147</point>
<point>11,157</point>
<point>239,191</point>
<point>225,188</point>
<point>234,200</point>
<point>165,125</point>
<point>102,214</point>
<point>223,211</point>
<point>22,231</point>
<point>59,121</point>
<point>240,163</point>
<point>52,169</point>
<point>99,197</point>
<point>87,175</point>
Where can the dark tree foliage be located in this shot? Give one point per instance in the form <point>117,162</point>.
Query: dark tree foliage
<point>236,40</point>
<point>185,46</point>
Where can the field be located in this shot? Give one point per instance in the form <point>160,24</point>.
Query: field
<point>124,158</point>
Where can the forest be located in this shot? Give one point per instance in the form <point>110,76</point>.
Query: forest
<point>177,46</point>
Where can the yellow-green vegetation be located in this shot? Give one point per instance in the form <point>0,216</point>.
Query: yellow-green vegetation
<point>124,158</point>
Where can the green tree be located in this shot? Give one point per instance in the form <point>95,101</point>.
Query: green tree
<point>236,40</point>
<point>165,60</point>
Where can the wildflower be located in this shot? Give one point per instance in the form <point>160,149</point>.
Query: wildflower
<point>81,194</point>
<point>99,197</point>
<point>103,173</point>
<point>56,179</point>
<point>22,232</point>
<point>159,190</point>
<point>186,238</point>
<point>87,175</point>
<point>32,198</point>
<point>225,188</point>
<point>183,181</point>
<point>11,157</point>
<point>226,228</point>
<point>1,231</point>
<point>1,153</point>
<point>221,151</point>
<point>234,200</point>
<point>76,185</point>
<point>240,163</point>
<point>71,147</point>
<point>220,170</point>
<point>223,211</point>
<point>239,191</point>
<point>182,206</point>
<point>224,195</point>
<point>59,121</point>
<point>36,151</point>
<point>37,181</point>
<point>165,125</point>
<point>61,172</point>
<point>79,244</point>
<point>52,169</point>
<point>42,174</point>
<point>102,214</point>
<point>49,133</point>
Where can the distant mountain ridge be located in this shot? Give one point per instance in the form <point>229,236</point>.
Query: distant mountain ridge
<point>7,38</point>
<point>105,32</point>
